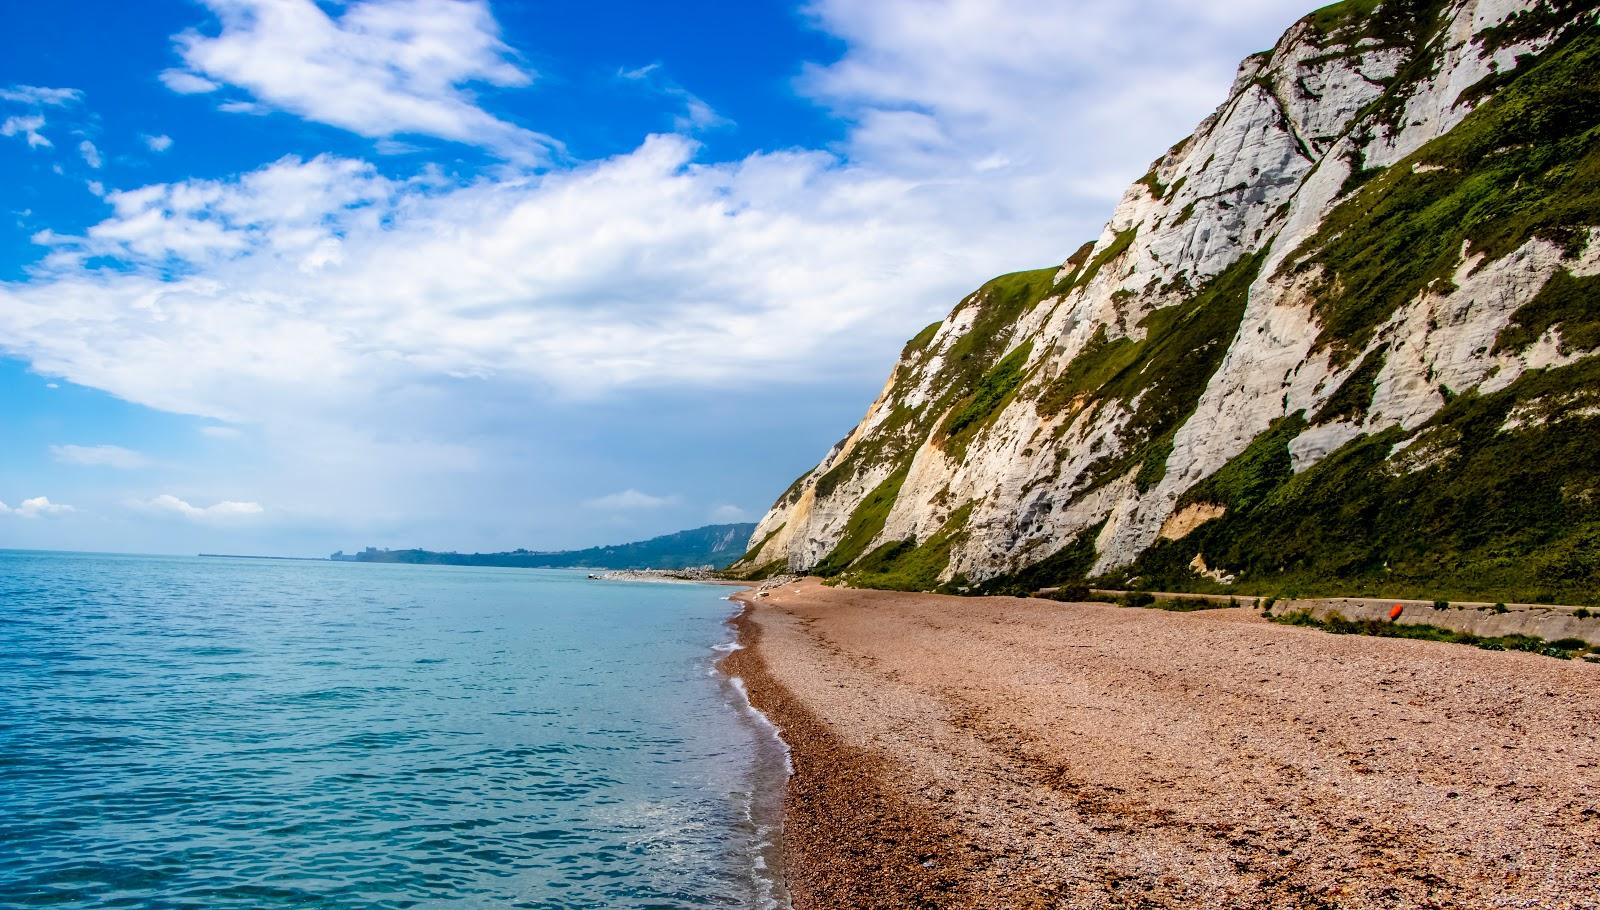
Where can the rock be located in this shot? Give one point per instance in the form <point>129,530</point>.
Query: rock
<point>1010,433</point>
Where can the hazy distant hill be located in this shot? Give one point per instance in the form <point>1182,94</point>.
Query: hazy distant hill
<point>711,545</point>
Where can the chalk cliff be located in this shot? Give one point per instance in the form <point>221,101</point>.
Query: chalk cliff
<point>1343,335</point>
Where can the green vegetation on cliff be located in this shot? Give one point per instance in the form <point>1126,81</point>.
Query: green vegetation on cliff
<point>1525,164</point>
<point>864,525</point>
<point>1069,565</point>
<point>1353,398</point>
<point>1496,497</point>
<point>1571,305</point>
<point>1159,377</point>
<point>993,392</point>
<point>906,565</point>
<point>966,377</point>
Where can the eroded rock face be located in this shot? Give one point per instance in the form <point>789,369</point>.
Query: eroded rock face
<point>1229,301</point>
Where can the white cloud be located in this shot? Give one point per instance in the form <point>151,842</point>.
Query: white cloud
<point>38,95</point>
<point>99,456</point>
<point>696,114</point>
<point>91,155</point>
<point>27,127</point>
<point>96,187</point>
<point>630,500</point>
<point>216,431</point>
<point>1075,95</point>
<point>380,68</point>
<point>726,514</point>
<point>321,281</point>
<point>290,208</point>
<point>225,510</point>
<point>358,322</point>
<point>158,143</point>
<point>187,83</point>
<point>37,507</point>
<point>315,283</point>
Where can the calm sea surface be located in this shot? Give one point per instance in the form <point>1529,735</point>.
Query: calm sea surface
<point>256,733</point>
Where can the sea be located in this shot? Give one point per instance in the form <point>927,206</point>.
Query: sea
<point>234,732</point>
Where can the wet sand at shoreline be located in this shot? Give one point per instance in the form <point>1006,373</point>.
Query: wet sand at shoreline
<point>998,752</point>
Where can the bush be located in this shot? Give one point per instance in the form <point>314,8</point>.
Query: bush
<point>1070,593</point>
<point>1441,605</point>
<point>1137,599</point>
<point>1190,604</point>
<point>1339,625</point>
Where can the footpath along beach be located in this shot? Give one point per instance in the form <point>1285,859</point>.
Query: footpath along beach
<point>1001,752</point>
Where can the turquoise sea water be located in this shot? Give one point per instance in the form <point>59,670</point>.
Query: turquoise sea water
<point>186,732</point>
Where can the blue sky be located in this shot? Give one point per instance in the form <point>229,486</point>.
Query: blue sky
<point>286,277</point>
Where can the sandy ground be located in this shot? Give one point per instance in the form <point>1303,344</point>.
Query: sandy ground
<point>997,752</point>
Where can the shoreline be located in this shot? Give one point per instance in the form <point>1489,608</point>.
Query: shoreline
<point>1004,752</point>
<point>769,778</point>
<point>835,816</point>
<point>664,576</point>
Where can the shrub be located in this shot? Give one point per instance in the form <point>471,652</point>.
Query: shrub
<point>1072,593</point>
<point>1189,604</point>
<point>1339,625</point>
<point>1441,605</point>
<point>1137,599</point>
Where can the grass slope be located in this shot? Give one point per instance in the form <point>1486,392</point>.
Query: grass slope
<point>1497,497</point>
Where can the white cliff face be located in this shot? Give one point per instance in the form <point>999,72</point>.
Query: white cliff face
<point>1244,199</point>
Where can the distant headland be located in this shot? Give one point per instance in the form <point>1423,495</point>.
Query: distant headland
<point>712,545</point>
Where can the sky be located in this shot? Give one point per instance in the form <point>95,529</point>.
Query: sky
<point>285,277</point>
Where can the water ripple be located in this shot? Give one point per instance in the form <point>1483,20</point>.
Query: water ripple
<point>185,733</point>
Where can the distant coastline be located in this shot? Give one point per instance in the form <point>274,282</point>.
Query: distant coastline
<point>707,547</point>
<point>252,556</point>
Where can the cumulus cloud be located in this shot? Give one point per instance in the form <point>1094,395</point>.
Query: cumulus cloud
<point>970,157</point>
<point>28,128</point>
<point>227,509</point>
<point>357,320</point>
<point>91,155</point>
<point>291,207</point>
<point>630,500</point>
<point>37,507</point>
<point>1040,95</point>
<point>108,456</point>
<point>641,268</point>
<point>159,143</point>
<point>40,96</point>
<point>380,68</point>
<point>185,83</point>
<point>729,513</point>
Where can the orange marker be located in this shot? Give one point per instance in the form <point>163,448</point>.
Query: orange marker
<point>1394,613</point>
